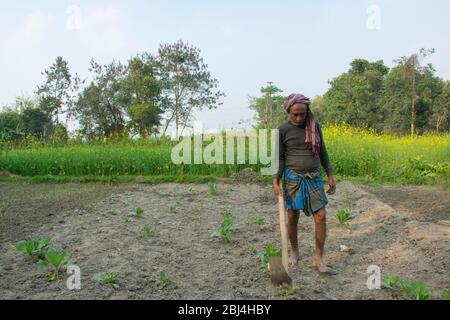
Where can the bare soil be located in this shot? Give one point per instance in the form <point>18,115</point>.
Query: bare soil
<point>403,230</point>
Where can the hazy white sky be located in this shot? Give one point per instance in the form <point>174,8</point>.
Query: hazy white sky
<point>298,45</point>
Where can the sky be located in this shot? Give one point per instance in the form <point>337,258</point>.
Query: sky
<point>297,45</point>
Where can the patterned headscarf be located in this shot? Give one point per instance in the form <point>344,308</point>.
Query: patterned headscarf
<point>312,140</point>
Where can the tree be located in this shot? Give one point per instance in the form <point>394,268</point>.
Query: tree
<point>269,108</point>
<point>354,96</point>
<point>412,68</point>
<point>411,92</point>
<point>101,107</point>
<point>142,91</point>
<point>22,118</point>
<point>317,108</point>
<point>36,122</point>
<point>440,114</point>
<point>187,83</point>
<point>11,126</point>
<point>55,93</point>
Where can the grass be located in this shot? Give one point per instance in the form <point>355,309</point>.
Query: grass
<point>354,153</point>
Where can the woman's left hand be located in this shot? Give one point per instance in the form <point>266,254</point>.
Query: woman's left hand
<point>332,185</point>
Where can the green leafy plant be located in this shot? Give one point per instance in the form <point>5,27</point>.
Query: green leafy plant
<point>260,222</point>
<point>138,211</point>
<point>35,248</point>
<point>415,289</point>
<point>284,292</point>
<point>446,294</point>
<point>344,216</point>
<point>173,208</point>
<point>270,251</point>
<point>212,188</point>
<point>225,230</point>
<point>150,230</point>
<point>165,280</point>
<point>57,260</point>
<point>109,278</point>
<point>390,281</point>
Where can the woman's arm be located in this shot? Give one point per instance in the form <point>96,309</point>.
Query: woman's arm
<point>281,159</point>
<point>324,159</point>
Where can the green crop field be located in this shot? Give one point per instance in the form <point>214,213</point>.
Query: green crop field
<point>353,152</point>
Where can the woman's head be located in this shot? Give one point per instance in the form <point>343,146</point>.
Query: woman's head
<point>298,113</point>
<point>297,107</point>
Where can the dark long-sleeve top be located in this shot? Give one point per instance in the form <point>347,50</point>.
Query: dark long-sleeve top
<point>294,154</point>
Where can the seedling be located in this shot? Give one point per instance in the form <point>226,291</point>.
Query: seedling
<point>138,211</point>
<point>446,294</point>
<point>270,251</point>
<point>225,227</point>
<point>150,230</point>
<point>415,289</point>
<point>35,248</point>
<point>165,281</point>
<point>344,216</point>
<point>109,278</point>
<point>390,281</point>
<point>212,188</point>
<point>173,208</point>
<point>284,292</point>
<point>57,260</point>
<point>261,222</point>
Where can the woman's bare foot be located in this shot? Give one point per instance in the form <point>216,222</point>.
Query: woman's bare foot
<point>322,267</point>
<point>294,259</point>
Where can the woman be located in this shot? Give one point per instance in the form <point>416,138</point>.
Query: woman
<point>301,152</point>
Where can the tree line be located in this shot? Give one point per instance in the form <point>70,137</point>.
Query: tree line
<point>152,92</point>
<point>406,99</point>
<point>142,97</point>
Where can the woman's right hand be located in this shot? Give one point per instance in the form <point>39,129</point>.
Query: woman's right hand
<point>277,190</point>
